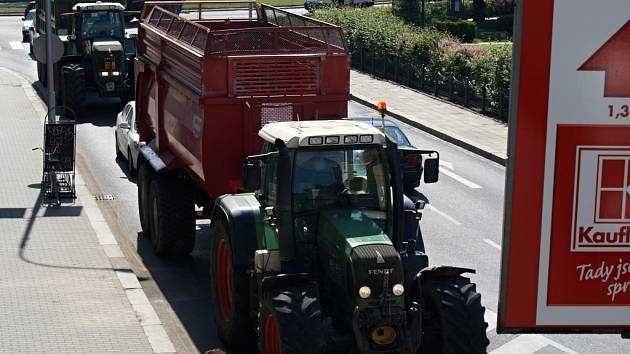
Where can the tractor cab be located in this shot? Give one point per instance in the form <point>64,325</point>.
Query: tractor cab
<point>328,192</point>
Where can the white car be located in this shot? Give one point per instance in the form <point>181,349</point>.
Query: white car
<point>127,138</point>
<point>27,25</point>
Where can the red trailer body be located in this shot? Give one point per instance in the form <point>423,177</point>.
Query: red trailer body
<point>205,87</point>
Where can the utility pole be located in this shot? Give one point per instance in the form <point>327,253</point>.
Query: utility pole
<point>49,63</point>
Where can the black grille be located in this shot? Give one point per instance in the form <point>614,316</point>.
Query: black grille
<point>374,271</point>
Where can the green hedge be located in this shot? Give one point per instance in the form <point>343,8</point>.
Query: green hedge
<point>462,29</point>
<point>377,31</point>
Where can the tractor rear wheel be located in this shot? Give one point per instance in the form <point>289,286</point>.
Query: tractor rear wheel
<point>172,216</point>
<point>453,320</point>
<point>290,322</point>
<point>73,86</point>
<point>145,175</point>
<point>230,289</point>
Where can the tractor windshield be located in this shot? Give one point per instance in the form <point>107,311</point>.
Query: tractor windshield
<point>353,178</point>
<point>102,24</point>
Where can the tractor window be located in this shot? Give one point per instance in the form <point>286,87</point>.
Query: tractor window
<point>340,178</point>
<point>270,176</point>
<point>102,24</point>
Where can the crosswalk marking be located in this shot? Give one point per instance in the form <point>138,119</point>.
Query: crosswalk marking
<point>524,343</point>
<point>16,45</point>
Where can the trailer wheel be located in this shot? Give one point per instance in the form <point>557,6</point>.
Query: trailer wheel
<point>145,175</point>
<point>172,216</point>
<point>290,322</point>
<point>230,289</point>
<point>453,320</point>
<point>73,86</point>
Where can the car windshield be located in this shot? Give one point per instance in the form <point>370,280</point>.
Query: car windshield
<point>395,134</point>
<point>340,178</point>
<point>101,24</point>
<point>30,15</point>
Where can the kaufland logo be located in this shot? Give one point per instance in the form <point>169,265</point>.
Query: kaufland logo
<point>601,201</point>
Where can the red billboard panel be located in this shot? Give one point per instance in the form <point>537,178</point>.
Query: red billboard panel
<point>566,254</point>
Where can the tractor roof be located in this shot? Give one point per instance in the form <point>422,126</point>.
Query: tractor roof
<point>98,5</point>
<point>322,133</point>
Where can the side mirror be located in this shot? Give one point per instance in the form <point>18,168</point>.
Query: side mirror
<point>251,177</point>
<point>123,125</point>
<point>22,18</point>
<point>431,169</point>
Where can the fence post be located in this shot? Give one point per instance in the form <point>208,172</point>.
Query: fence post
<point>436,81</point>
<point>466,94</point>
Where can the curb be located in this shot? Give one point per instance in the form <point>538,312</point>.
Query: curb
<point>472,148</point>
<point>140,304</point>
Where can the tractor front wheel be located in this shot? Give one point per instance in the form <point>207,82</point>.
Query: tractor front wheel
<point>230,288</point>
<point>73,86</point>
<point>290,322</point>
<point>172,215</point>
<point>453,320</point>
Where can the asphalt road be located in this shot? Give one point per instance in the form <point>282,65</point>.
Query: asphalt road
<point>462,227</point>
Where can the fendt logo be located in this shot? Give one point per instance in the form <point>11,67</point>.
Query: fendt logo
<point>601,201</point>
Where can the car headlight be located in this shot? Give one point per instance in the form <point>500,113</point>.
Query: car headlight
<point>365,292</point>
<point>103,74</point>
<point>115,73</point>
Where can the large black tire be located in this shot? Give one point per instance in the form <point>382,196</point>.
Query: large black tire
<point>145,175</point>
<point>290,322</point>
<point>230,289</point>
<point>453,318</point>
<point>73,86</point>
<point>172,215</point>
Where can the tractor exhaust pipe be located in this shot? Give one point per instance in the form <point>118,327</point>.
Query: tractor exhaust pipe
<point>283,208</point>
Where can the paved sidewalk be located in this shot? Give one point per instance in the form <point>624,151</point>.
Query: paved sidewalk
<point>479,134</point>
<point>58,290</point>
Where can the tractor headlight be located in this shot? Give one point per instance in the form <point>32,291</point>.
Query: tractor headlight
<point>115,73</point>
<point>398,289</point>
<point>103,74</point>
<point>365,292</point>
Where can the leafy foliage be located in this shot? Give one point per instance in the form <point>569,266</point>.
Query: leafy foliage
<point>409,10</point>
<point>462,29</point>
<point>378,32</point>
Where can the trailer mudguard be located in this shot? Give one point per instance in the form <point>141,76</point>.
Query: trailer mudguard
<point>241,212</point>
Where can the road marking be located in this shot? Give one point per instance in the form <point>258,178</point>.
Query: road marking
<point>529,343</point>
<point>443,214</point>
<point>447,164</point>
<point>491,318</point>
<point>16,45</point>
<point>460,179</point>
<point>492,243</point>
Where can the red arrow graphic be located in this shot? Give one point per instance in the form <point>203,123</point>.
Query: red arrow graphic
<point>614,58</point>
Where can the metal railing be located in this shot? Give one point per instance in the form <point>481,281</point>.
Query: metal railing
<point>485,98</point>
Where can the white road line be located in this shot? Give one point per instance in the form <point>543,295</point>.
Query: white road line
<point>529,343</point>
<point>492,243</point>
<point>443,214</point>
<point>16,45</point>
<point>447,164</point>
<point>460,179</point>
<point>491,319</point>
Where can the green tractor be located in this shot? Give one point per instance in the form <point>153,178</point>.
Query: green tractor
<point>98,54</point>
<point>324,253</point>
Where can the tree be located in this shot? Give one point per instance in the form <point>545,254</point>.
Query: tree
<point>408,10</point>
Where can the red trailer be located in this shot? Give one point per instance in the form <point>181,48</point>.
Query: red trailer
<point>205,87</point>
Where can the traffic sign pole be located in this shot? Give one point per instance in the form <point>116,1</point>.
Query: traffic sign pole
<point>49,62</point>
